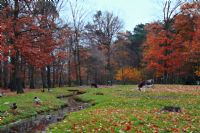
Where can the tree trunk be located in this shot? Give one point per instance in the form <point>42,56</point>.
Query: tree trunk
<point>1,75</point>
<point>69,62</point>
<point>69,73</point>
<point>31,77</point>
<point>79,67</point>
<point>109,72</point>
<point>5,74</point>
<point>54,75</point>
<point>49,76</point>
<point>57,76</point>
<point>123,77</point>
<point>60,77</point>
<point>43,76</point>
<point>22,70</point>
<point>75,67</point>
<point>78,62</point>
<point>15,83</point>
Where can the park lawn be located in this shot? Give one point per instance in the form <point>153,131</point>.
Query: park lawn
<point>26,107</point>
<point>125,109</point>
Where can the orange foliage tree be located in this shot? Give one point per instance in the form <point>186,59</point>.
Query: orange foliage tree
<point>128,74</point>
<point>163,53</point>
<point>172,47</point>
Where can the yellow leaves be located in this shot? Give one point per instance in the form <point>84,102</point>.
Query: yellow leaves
<point>128,73</point>
<point>197,72</point>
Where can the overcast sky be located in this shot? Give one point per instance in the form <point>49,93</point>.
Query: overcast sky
<point>132,12</point>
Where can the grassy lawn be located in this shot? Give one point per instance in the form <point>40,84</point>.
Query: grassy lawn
<point>124,109</point>
<point>26,107</point>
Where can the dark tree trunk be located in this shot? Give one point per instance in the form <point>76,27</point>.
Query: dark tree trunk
<point>77,60</point>
<point>24,77</point>
<point>16,82</point>
<point>60,77</point>
<point>79,67</point>
<point>109,71</point>
<point>69,73</point>
<point>1,75</point>
<point>123,77</point>
<point>31,77</point>
<point>54,75</point>
<point>60,80</point>
<point>24,81</point>
<point>69,63</point>
<point>49,76</point>
<point>22,70</point>
<point>5,74</point>
<point>43,76</point>
<point>76,65</point>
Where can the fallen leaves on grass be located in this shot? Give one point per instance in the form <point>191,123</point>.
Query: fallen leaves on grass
<point>189,89</point>
<point>138,113</point>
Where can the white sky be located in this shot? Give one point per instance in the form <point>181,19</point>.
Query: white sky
<point>132,12</point>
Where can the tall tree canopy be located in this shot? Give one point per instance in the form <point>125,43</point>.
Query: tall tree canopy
<point>172,46</point>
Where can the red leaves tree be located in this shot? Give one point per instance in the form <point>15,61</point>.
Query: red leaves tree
<point>162,52</point>
<point>172,47</point>
<point>187,25</point>
<point>28,37</point>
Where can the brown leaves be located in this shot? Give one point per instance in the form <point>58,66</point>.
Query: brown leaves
<point>177,89</point>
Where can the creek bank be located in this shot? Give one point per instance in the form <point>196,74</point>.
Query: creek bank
<point>40,122</point>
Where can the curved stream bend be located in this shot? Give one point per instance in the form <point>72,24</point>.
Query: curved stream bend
<point>41,121</point>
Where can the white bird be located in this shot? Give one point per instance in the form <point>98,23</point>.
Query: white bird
<point>1,94</point>
<point>37,100</point>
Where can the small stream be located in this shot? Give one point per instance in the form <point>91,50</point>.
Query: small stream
<point>40,122</point>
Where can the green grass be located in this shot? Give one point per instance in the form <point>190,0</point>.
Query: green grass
<point>26,107</point>
<point>124,109</point>
<point>116,109</point>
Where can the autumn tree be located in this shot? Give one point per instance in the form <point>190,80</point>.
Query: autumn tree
<point>49,9</point>
<point>172,45</point>
<point>95,64</point>
<point>77,23</point>
<point>162,53</point>
<point>122,55</point>
<point>187,27</point>
<point>29,39</point>
<point>104,29</point>
<point>128,74</point>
